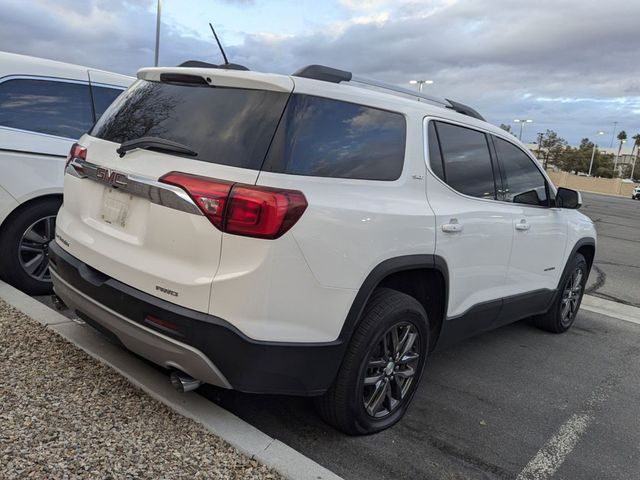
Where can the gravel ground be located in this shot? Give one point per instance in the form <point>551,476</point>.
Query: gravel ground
<point>65,415</point>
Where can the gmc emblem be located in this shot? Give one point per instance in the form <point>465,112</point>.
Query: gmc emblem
<point>111,177</point>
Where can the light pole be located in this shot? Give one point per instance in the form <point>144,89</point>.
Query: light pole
<point>522,121</point>
<point>593,153</point>
<point>613,134</point>
<point>420,83</point>
<point>159,9</point>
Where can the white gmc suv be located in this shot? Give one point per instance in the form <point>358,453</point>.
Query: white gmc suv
<point>316,234</point>
<point>44,107</point>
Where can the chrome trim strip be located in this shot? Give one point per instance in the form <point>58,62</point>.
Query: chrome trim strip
<point>156,192</point>
<point>142,340</point>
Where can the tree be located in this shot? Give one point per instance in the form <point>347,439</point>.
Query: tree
<point>507,128</point>
<point>636,148</point>
<point>622,136</point>
<point>552,146</point>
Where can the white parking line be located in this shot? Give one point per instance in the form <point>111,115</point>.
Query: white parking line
<point>553,454</point>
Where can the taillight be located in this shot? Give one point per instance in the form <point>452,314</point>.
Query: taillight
<point>239,209</point>
<point>77,152</point>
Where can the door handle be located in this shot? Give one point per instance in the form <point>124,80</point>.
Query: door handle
<point>452,227</point>
<point>523,225</point>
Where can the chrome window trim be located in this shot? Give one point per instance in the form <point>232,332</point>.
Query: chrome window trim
<point>156,192</point>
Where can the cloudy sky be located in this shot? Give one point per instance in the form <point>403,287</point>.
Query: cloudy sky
<point>570,65</point>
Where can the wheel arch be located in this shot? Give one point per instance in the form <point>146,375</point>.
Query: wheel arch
<point>423,277</point>
<point>586,246</point>
<point>24,205</point>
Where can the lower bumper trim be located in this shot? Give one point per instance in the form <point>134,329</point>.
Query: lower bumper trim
<point>152,345</point>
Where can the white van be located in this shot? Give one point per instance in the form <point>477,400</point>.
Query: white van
<point>44,106</point>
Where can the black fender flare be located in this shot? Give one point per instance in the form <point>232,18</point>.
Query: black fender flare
<point>379,273</point>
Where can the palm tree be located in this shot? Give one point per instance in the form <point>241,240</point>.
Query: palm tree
<point>636,148</point>
<point>622,137</point>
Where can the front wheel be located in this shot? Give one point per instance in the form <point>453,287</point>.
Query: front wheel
<point>562,313</point>
<point>382,366</point>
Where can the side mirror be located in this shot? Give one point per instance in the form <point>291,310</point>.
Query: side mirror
<point>567,198</point>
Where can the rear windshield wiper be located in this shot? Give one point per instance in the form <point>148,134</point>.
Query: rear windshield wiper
<point>154,143</point>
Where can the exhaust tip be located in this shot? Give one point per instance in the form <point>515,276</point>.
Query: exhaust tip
<point>183,382</point>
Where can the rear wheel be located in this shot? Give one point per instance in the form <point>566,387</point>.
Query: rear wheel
<point>563,312</point>
<point>382,366</point>
<point>24,243</point>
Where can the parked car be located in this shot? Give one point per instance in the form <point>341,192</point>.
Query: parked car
<point>44,107</point>
<point>304,235</point>
<point>635,195</point>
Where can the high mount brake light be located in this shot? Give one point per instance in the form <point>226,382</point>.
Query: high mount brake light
<point>76,151</point>
<point>247,210</point>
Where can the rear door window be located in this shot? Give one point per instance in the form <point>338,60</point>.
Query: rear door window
<point>46,106</point>
<point>227,126</point>
<point>466,159</point>
<point>323,137</point>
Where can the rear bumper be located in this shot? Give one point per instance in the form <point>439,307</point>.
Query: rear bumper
<point>206,347</point>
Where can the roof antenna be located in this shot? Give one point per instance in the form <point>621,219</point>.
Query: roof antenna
<point>224,55</point>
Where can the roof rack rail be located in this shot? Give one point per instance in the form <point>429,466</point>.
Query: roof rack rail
<point>334,75</point>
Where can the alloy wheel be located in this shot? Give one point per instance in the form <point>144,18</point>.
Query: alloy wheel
<point>33,249</point>
<point>390,370</point>
<point>571,296</point>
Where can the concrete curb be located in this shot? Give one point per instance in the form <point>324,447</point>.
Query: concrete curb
<point>617,310</point>
<point>243,436</point>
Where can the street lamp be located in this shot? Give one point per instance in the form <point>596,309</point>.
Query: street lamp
<point>420,83</point>
<point>593,153</point>
<point>158,12</point>
<point>522,121</point>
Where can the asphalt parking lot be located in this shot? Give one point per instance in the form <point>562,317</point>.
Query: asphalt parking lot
<point>616,275</point>
<point>486,407</point>
<point>516,403</point>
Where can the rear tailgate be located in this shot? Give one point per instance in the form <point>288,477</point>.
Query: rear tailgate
<point>119,219</point>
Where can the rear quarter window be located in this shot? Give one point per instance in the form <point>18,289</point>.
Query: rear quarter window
<point>323,137</point>
<point>46,106</point>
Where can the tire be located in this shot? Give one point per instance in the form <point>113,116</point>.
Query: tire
<point>24,260</point>
<point>562,313</point>
<point>343,405</point>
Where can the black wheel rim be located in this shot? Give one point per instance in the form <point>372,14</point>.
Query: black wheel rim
<point>571,296</point>
<point>391,369</point>
<point>33,249</point>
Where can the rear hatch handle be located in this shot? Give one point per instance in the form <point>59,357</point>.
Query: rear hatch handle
<point>154,143</point>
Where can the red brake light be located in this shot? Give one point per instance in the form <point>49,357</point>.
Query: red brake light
<point>77,151</point>
<point>247,210</point>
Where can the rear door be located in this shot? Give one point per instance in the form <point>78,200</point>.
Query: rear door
<point>117,216</point>
<point>540,232</point>
<point>474,232</point>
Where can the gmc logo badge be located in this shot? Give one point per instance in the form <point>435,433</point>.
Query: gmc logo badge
<point>111,177</point>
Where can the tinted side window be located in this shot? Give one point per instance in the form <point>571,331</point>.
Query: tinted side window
<point>522,181</point>
<point>435,158</point>
<point>102,98</point>
<point>46,106</point>
<point>467,162</point>
<point>329,138</point>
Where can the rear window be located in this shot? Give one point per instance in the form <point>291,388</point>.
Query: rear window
<point>103,97</point>
<point>228,126</point>
<point>328,138</point>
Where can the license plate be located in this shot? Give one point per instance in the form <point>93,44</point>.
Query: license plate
<point>115,208</point>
